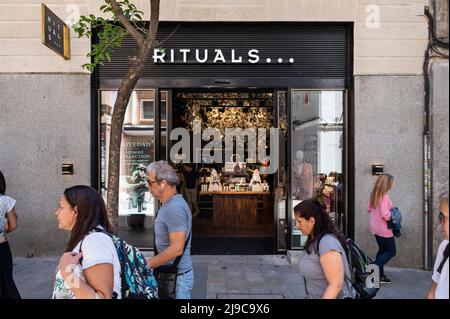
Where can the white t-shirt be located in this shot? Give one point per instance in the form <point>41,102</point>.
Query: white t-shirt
<point>6,205</point>
<point>441,279</point>
<point>98,248</point>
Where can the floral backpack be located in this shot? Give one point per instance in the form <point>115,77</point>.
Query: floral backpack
<point>136,277</point>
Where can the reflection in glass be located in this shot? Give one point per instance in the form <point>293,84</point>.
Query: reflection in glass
<point>163,114</point>
<point>136,205</point>
<point>317,151</point>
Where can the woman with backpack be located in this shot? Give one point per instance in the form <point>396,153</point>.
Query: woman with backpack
<point>379,208</point>
<point>90,267</point>
<point>8,223</point>
<point>323,263</point>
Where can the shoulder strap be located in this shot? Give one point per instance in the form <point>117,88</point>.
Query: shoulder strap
<point>178,259</point>
<point>316,247</point>
<point>306,288</point>
<point>444,259</point>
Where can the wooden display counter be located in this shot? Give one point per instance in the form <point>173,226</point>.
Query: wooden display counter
<point>240,209</point>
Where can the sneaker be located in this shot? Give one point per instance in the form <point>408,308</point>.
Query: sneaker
<point>385,280</point>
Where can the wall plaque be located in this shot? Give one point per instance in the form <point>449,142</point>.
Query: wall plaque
<point>55,33</point>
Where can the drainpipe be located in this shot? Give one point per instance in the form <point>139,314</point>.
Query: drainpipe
<point>436,45</point>
<point>427,155</point>
<point>427,160</point>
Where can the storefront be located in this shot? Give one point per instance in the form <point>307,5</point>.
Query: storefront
<point>290,83</point>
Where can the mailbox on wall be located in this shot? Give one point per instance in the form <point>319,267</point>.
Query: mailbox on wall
<point>67,169</point>
<point>377,169</point>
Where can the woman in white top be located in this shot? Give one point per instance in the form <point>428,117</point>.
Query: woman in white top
<point>440,286</point>
<point>8,223</point>
<point>90,267</point>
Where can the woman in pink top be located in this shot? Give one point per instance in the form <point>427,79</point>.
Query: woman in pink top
<point>379,208</point>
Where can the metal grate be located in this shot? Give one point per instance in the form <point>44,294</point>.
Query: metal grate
<point>318,50</point>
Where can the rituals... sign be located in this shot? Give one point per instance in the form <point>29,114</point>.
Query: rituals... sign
<point>55,33</point>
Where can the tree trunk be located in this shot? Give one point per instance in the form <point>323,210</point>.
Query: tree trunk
<point>120,107</point>
<point>123,96</point>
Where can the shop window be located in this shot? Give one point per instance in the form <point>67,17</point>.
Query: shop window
<point>147,107</point>
<point>317,130</point>
<point>136,205</point>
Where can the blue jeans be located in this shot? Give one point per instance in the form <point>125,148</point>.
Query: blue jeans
<point>185,283</point>
<point>385,253</point>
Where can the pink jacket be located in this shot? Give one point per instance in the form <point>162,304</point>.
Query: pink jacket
<point>379,216</point>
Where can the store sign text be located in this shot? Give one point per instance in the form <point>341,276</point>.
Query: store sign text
<point>203,56</point>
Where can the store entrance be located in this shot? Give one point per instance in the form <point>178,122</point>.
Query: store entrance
<point>231,202</point>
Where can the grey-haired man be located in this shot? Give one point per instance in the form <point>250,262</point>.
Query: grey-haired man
<point>173,225</point>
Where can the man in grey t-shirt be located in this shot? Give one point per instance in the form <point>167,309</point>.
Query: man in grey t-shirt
<point>173,225</point>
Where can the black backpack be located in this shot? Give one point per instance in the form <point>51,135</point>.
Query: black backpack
<point>358,262</point>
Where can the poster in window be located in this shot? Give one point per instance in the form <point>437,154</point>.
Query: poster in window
<point>135,159</point>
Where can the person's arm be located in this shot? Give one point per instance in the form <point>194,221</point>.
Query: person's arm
<point>182,179</point>
<point>197,177</point>
<point>175,249</point>
<point>99,278</point>
<point>333,268</point>
<point>432,291</point>
<point>385,208</point>
<point>11,221</point>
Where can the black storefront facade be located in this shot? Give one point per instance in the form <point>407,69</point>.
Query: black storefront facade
<point>306,69</point>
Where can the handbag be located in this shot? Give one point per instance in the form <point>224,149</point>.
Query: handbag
<point>166,275</point>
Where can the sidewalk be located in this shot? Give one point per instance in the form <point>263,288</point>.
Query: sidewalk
<point>236,277</point>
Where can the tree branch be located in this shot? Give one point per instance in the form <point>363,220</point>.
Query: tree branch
<point>154,21</point>
<point>131,30</point>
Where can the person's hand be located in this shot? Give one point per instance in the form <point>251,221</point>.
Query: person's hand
<point>6,227</point>
<point>149,263</point>
<point>67,263</point>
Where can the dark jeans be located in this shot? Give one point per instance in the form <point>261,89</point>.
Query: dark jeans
<point>8,289</point>
<point>386,250</point>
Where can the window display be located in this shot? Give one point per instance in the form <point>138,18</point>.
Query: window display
<point>136,205</point>
<point>317,152</point>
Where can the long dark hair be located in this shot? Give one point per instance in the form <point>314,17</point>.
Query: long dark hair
<point>91,212</point>
<point>2,184</point>
<point>323,225</point>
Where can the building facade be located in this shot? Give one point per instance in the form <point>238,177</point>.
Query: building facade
<point>47,117</point>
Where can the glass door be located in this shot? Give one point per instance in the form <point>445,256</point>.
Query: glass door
<point>316,153</point>
<point>280,194</point>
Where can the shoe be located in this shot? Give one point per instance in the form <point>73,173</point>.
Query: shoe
<point>385,280</point>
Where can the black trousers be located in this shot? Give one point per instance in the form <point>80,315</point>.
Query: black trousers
<point>386,251</point>
<point>8,289</point>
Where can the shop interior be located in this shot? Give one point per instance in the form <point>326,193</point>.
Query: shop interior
<point>234,199</point>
